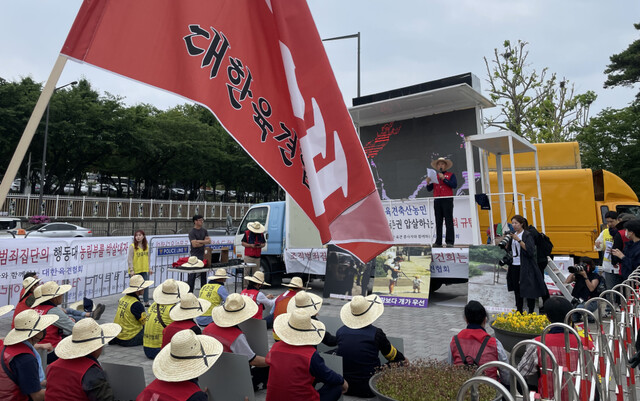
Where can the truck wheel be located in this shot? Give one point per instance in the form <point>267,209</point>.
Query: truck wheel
<point>270,277</point>
<point>434,286</point>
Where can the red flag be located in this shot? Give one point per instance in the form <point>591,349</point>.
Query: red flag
<point>260,67</point>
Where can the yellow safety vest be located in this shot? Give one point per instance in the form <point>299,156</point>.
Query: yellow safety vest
<point>140,260</point>
<point>210,293</point>
<point>606,257</point>
<point>153,328</point>
<point>130,325</point>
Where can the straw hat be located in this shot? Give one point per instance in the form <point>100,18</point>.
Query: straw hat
<point>49,290</point>
<point>235,310</point>
<point>296,282</point>
<point>187,356</point>
<point>193,262</point>
<point>28,323</point>
<point>27,284</point>
<point>189,307</point>
<point>255,227</point>
<point>448,163</point>
<point>361,311</point>
<point>306,302</point>
<point>5,309</point>
<point>137,283</point>
<point>297,328</point>
<point>220,273</point>
<point>169,292</point>
<point>258,277</point>
<point>87,336</point>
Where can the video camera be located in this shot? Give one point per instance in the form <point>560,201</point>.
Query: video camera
<point>577,269</point>
<point>504,241</point>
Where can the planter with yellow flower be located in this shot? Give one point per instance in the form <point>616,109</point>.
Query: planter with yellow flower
<point>513,327</point>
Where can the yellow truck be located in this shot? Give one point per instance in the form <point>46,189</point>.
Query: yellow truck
<point>574,199</point>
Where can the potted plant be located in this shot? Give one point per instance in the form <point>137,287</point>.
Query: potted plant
<point>513,327</point>
<point>423,380</point>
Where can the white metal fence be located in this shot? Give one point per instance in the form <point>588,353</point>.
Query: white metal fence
<point>84,207</point>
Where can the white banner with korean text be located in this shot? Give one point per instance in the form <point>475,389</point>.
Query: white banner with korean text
<point>412,222</point>
<point>312,261</point>
<point>449,263</point>
<point>95,267</point>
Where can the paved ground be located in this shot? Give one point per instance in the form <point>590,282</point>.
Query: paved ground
<point>426,331</point>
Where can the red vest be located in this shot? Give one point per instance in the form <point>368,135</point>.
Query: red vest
<point>252,252</point>
<point>226,335</point>
<point>281,303</point>
<point>22,306</point>
<point>253,294</point>
<point>470,341</point>
<point>53,333</point>
<point>64,379</point>
<point>555,341</point>
<point>289,376</point>
<point>160,390</point>
<point>175,327</point>
<point>8,389</point>
<point>442,189</point>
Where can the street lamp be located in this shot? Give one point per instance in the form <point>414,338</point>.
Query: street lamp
<point>44,149</point>
<point>355,35</point>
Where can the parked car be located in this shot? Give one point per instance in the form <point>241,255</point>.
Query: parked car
<point>56,230</point>
<point>10,226</point>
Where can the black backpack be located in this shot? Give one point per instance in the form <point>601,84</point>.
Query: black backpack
<point>544,246</point>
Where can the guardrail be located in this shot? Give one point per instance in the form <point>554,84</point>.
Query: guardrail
<point>84,207</point>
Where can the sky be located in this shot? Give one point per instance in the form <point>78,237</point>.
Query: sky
<point>403,42</point>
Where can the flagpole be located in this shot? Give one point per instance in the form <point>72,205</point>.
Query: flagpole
<point>30,130</point>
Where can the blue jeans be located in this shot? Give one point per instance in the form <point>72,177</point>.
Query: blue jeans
<point>576,317</point>
<point>75,314</point>
<point>145,294</point>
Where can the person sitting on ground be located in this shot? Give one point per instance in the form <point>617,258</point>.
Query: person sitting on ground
<point>29,284</point>
<point>224,328</point>
<point>23,378</point>
<point>178,366</point>
<point>183,314</point>
<point>474,346</point>
<point>282,301</point>
<point>164,296</point>
<point>265,302</point>
<point>556,308</point>
<point>295,364</point>
<point>77,374</point>
<point>47,298</point>
<point>359,342</point>
<point>131,315</point>
<point>215,292</point>
<point>311,303</point>
<point>586,287</point>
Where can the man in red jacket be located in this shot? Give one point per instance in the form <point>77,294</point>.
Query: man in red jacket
<point>253,242</point>
<point>183,315</point>
<point>24,378</point>
<point>474,346</point>
<point>178,366</point>
<point>77,374</point>
<point>295,364</point>
<point>443,203</point>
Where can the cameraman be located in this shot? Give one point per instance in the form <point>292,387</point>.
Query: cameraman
<point>586,284</point>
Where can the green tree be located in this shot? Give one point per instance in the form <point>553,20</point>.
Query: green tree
<point>624,69</point>
<point>534,105</point>
<point>610,142</point>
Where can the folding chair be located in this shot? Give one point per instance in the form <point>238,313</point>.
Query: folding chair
<point>127,382</point>
<point>256,332</point>
<point>229,379</point>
